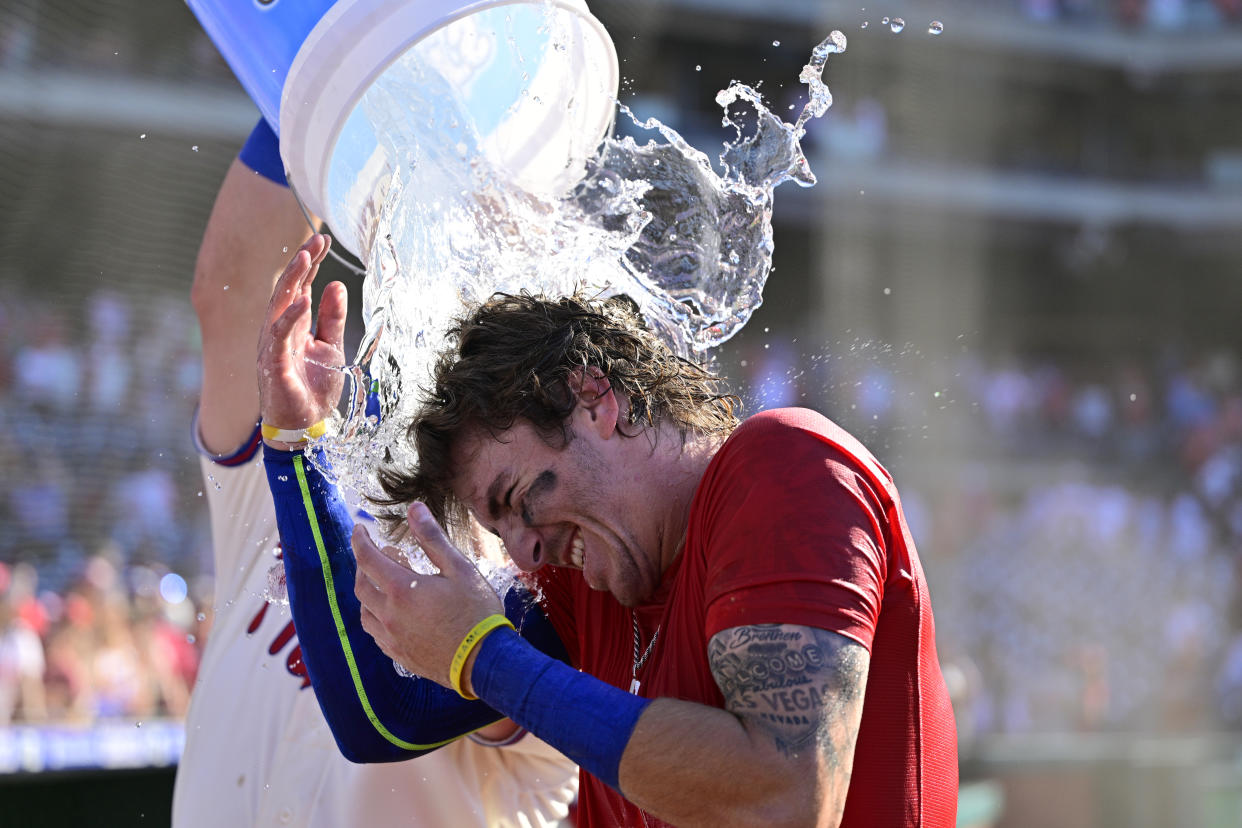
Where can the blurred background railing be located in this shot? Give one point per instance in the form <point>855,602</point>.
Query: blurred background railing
<point>1017,280</point>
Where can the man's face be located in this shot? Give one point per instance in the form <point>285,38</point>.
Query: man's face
<point>572,506</point>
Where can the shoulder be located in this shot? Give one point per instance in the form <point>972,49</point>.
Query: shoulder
<point>781,441</point>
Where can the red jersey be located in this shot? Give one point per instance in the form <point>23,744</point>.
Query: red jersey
<point>794,522</point>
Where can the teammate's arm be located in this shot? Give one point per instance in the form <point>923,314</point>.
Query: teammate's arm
<point>375,714</point>
<point>254,225</point>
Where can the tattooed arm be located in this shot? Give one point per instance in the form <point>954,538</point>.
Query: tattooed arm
<point>803,688</point>
<point>779,754</point>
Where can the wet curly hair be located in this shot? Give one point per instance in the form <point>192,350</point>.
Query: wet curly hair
<point>511,359</point>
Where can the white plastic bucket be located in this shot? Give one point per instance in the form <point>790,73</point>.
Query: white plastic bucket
<point>537,124</point>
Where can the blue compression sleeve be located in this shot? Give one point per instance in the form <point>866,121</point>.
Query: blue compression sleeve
<point>261,153</point>
<point>376,715</point>
<point>584,718</point>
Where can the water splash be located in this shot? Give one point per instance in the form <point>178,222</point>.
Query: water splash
<point>276,591</point>
<point>689,242</point>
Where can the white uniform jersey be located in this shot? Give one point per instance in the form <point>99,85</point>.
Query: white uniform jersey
<point>258,751</point>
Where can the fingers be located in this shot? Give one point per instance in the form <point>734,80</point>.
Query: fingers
<point>430,536</point>
<point>288,286</point>
<point>295,316</point>
<point>317,247</point>
<point>376,568</point>
<point>333,306</point>
<point>299,273</point>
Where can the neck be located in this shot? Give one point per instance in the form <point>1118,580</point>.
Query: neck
<point>679,468</point>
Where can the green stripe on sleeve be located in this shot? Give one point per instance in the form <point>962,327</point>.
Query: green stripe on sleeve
<point>340,625</point>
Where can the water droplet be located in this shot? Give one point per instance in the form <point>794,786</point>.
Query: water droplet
<point>776,43</point>
<point>897,25</point>
<point>935,28</point>
<point>1133,397</point>
<point>190,639</point>
<point>865,24</point>
<point>766,330</point>
<point>200,492</point>
<point>284,250</point>
<point>884,22</point>
<point>226,287</point>
<point>202,616</point>
<point>137,724</point>
<point>888,291</point>
<point>194,148</point>
<point>698,68</point>
<point>142,136</point>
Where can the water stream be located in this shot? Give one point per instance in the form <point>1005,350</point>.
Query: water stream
<point>689,242</point>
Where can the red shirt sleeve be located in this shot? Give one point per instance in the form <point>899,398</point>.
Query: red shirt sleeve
<point>794,530</point>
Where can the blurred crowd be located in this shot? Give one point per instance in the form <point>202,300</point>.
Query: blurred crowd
<point>94,433</point>
<point>1156,14</point>
<point>1083,543</point>
<point>98,503</point>
<point>119,642</point>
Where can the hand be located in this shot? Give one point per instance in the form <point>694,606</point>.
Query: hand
<point>419,620</point>
<point>295,390</point>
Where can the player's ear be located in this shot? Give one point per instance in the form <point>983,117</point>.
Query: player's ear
<point>597,407</point>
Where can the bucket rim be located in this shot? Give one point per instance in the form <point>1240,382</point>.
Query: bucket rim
<point>314,69</point>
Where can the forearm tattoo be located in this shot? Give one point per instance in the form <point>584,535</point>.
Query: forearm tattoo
<point>804,686</point>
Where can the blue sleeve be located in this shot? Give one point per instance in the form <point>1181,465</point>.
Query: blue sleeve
<point>261,153</point>
<point>376,715</point>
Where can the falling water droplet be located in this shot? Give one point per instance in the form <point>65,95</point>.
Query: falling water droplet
<point>884,22</point>
<point>935,28</point>
<point>194,147</point>
<point>190,639</point>
<point>202,616</point>
<point>776,43</point>
<point>698,68</point>
<point>897,25</point>
<point>865,24</point>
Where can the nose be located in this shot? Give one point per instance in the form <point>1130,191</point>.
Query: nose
<point>524,547</point>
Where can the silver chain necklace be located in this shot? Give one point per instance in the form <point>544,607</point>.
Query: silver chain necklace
<point>640,659</point>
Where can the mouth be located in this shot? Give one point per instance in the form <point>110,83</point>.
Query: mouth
<point>577,550</point>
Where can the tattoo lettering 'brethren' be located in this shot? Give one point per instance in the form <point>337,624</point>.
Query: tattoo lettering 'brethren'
<point>800,684</point>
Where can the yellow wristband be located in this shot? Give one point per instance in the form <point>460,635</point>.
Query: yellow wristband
<point>294,435</point>
<point>472,639</point>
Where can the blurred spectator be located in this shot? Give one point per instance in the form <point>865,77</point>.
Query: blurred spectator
<point>21,649</point>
